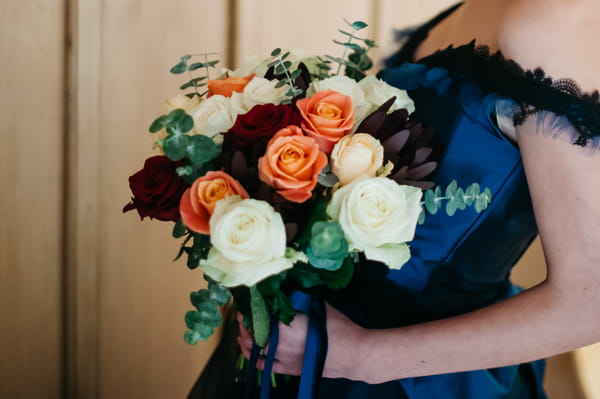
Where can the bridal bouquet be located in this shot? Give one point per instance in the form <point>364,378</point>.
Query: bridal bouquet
<point>280,173</point>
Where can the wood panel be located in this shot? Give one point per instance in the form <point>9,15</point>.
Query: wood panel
<point>144,295</point>
<point>31,199</point>
<point>310,25</point>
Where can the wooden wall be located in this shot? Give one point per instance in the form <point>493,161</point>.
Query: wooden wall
<point>92,305</point>
<point>31,206</point>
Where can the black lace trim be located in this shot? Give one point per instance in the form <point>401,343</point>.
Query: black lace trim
<point>533,91</point>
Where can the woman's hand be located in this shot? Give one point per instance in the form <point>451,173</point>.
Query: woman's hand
<point>343,353</point>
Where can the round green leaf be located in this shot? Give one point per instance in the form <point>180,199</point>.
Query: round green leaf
<point>158,124</point>
<point>201,149</point>
<point>175,146</point>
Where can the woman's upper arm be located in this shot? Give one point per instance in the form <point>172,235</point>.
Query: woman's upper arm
<point>563,178</point>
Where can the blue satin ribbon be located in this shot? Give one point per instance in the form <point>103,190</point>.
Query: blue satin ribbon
<point>315,351</point>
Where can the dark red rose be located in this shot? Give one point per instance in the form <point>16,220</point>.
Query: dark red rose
<point>261,123</point>
<point>157,190</point>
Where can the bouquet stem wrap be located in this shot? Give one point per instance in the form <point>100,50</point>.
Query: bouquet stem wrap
<point>315,351</point>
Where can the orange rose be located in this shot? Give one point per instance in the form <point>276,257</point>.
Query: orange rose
<point>292,164</point>
<point>198,202</point>
<point>227,86</point>
<point>327,117</point>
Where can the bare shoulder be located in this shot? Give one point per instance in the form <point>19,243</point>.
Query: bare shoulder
<point>560,36</point>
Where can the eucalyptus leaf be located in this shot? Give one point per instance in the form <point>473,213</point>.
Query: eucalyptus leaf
<point>422,216</point>
<point>175,116</point>
<point>175,147</point>
<point>196,65</point>
<point>201,149</point>
<point>451,208</point>
<point>218,294</point>
<point>358,25</point>
<point>158,124</point>
<point>431,204</point>
<point>451,189</point>
<point>275,52</point>
<point>179,68</point>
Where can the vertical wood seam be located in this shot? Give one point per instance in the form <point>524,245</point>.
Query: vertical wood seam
<point>231,34</point>
<point>82,215</point>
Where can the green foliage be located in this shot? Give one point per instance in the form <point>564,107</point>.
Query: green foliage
<point>185,65</point>
<point>305,275</point>
<point>179,229</point>
<point>341,277</point>
<point>457,199</point>
<point>201,150</point>
<point>327,247</point>
<point>318,212</point>
<point>260,317</point>
<point>283,307</point>
<point>282,67</point>
<point>358,61</point>
<point>202,322</point>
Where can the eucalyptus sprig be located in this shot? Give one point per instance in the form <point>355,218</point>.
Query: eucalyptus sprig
<point>282,67</point>
<point>456,198</point>
<point>358,61</point>
<point>202,322</point>
<point>185,65</point>
<point>200,150</point>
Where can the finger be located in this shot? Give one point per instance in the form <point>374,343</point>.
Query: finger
<point>245,350</point>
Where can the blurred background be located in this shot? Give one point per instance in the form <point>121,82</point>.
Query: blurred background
<point>91,302</point>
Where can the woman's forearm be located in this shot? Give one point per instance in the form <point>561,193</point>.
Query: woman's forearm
<point>537,323</point>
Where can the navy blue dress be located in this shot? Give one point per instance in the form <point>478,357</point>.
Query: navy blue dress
<point>460,263</point>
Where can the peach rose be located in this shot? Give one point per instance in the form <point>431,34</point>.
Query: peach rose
<point>198,202</point>
<point>227,86</point>
<point>327,117</point>
<point>292,164</point>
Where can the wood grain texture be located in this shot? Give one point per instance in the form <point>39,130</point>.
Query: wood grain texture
<point>309,25</point>
<point>31,199</point>
<point>143,295</point>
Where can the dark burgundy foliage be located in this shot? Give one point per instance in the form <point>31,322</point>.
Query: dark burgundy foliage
<point>405,143</point>
<point>157,190</point>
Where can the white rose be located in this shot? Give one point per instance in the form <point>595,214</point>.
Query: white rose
<point>378,217</point>
<point>259,91</point>
<point>183,102</point>
<point>249,243</point>
<point>348,87</point>
<point>356,155</point>
<point>213,116</point>
<point>378,92</point>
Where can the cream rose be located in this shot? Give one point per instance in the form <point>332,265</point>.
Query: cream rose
<point>251,64</point>
<point>356,155</point>
<point>213,116</point>
<point>249,243</point>
<point>347,86</point>
<point>378,217</point>
<point>378,92</point>
<point>259,91</point>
